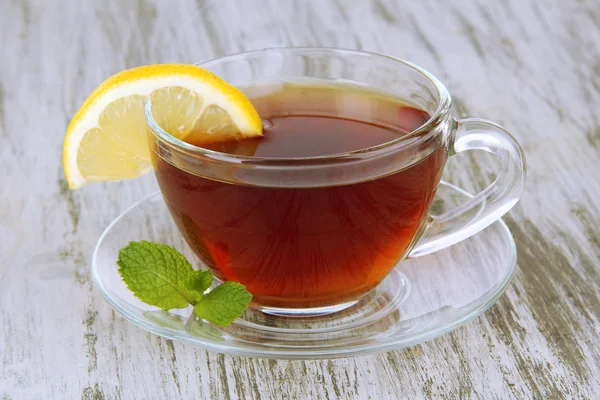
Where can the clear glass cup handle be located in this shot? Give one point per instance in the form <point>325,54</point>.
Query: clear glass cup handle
<point>488,205</point>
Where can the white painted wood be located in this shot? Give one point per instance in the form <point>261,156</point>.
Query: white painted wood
<point>532,66</point>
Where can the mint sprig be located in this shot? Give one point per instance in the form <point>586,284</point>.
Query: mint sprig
<point>161,276</point>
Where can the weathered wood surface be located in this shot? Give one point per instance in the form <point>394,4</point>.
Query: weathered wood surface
<point>533,66</point>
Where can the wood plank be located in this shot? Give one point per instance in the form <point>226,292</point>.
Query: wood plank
<point>532,66</point>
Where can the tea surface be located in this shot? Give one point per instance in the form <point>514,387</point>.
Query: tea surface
<point>311,121</point>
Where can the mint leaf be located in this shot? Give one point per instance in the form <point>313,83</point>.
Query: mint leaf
<point>222,305</point>
<point>156,274</point>
<point>198,282</point>
<point>160,276</point>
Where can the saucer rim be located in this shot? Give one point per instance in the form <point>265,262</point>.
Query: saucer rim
<point>301,353</point>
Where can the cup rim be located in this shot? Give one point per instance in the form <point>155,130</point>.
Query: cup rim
<point>443,108</point>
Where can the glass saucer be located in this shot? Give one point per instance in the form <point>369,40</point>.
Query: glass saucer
<point>421,299</point>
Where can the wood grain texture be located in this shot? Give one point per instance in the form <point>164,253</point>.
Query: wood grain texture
<point>532,66</point>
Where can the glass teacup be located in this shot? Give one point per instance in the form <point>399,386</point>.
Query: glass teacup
<point>312,235</point>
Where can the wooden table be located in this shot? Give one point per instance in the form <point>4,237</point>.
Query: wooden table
<point>532,66</point>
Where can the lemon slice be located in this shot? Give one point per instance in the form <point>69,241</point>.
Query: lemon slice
<point>107,138</point>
